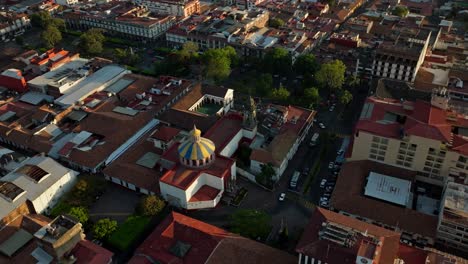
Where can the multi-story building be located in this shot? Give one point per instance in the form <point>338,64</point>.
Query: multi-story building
<point>215,29</point>
<point>401,57</point>
<point>12,25</point>
<point>181,8</point>
<point>121,18</point>
<point>67,2</point>
<point>452,230</point>
<point>429,138</point>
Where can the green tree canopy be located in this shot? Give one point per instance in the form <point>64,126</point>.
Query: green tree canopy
<point>353,81</point>
<point>251,223</point>
<point>267,175</point>
<point>277,61</point>
<point>126,57</point>
<point>91,41</point>
<point>281,94</point>
<point>104,227</point>
<point>41,19</point>
<point>401,11</point>
<point>80,213</point>
<point>218,62</point>
<point>306,65</point>
<point>275,22</point>
<point>331,75</point>
<point>151,205</point>
<point>263,84</point>
<point>346,97</point>
<point>312,97</point>
<point>51,36</point>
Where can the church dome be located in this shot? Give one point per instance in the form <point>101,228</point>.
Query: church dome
<point>196,151</point>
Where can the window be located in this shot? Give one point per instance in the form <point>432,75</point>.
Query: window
<point>383,147</point>
<point>462,159</point>
<point>411,154</point>
<point>376,139</point>
<point>372,156</point>
<point>374,151</point>
<point>382,153</point>
<point>374,145</point>
<point>427,163</point>
<point>409,159</point>
<point>427,169</point>
<point>407,164</point>
<point>384,141</point>
<point>399,162</point>
<point>380,158</point>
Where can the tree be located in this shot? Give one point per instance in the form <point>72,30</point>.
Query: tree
<point>277,60</point>
<point>275,22</point>
<point>353,81</point>
<point>41,19</point>
<point>251,223</point>
<point>104,227</point>
<point>401,11</point>
<point>91,41</point>
<point>331,75</point>
<point>80,213</point>
<point>126,57</point>
<point>267,175</point>
<point>306,65</point>
<point>243,155</point>
<point>263,84</point>
<point>311,95</point>
<point>51,36</point>
<point>281,94</point>
<point>346,97</point>
<point>218,62</point>
<point>81,186</point>
<point>151,205</point>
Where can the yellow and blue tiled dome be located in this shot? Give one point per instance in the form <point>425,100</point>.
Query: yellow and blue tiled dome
<point>196,148</point>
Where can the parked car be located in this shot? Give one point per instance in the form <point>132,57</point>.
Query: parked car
<point>329,188</point>
<point>331,165</point>
<point>322,126</point>
<point>332,108</point>
<point>326,195</point>
<point>322,183</point>
<point>339,152</point>
<point>282,196</point>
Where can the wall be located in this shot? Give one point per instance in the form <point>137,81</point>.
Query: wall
<point>232,146</point>
<point>51,196</point>
<point>168,190</point>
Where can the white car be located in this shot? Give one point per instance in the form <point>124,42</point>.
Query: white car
<point>282,196</point>
<point>339,152</point>
<point>330,165</point>
<point>332,108</point>
<point>322,126</point>
<point>322,183</point>
<point>324,204</point>
<point>323,199</point>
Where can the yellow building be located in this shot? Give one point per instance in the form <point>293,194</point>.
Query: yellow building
<point>429,138</point>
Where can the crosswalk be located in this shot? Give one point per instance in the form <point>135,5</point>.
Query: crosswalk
<point>298,199</point>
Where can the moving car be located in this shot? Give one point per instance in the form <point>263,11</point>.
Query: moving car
<point>322,126</point>
<point>282,196</point>
<point>331,165</point>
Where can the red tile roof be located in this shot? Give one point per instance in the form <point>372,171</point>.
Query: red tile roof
<point>418,119</point>
<point>411,254</point>
<point>207,245</point>
<point>90,253</point>
<point>165,133</point>
<point>205,193</point>
<point>222,132</point>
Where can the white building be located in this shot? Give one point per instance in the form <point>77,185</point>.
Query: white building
<point>13,25</point>
<point>40,180</point>
<point>66,2</point>
<point>183,8</point>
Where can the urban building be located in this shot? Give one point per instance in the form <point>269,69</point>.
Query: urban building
<point>214,29</point>
<point>12,25</point>
<point>32,238</point>
<point>453,221</point>
<point>67,2</point>
<point>122,19</point>
<point>280,132</point>
<point>401,57</point>
<point>40,180</point>
<point>179,8</point>
<point>337,239</point>
<point>49,60</point>
<point>13,80</point>
<point>179,238</point>
<point>388,197</point>
<point>426,137</point>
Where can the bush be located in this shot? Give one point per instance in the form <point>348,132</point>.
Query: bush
<point>128,232</point>
<point>104,227</point>
<point>151,205</point>
<point>80,213</point>
<point>62,207</point>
